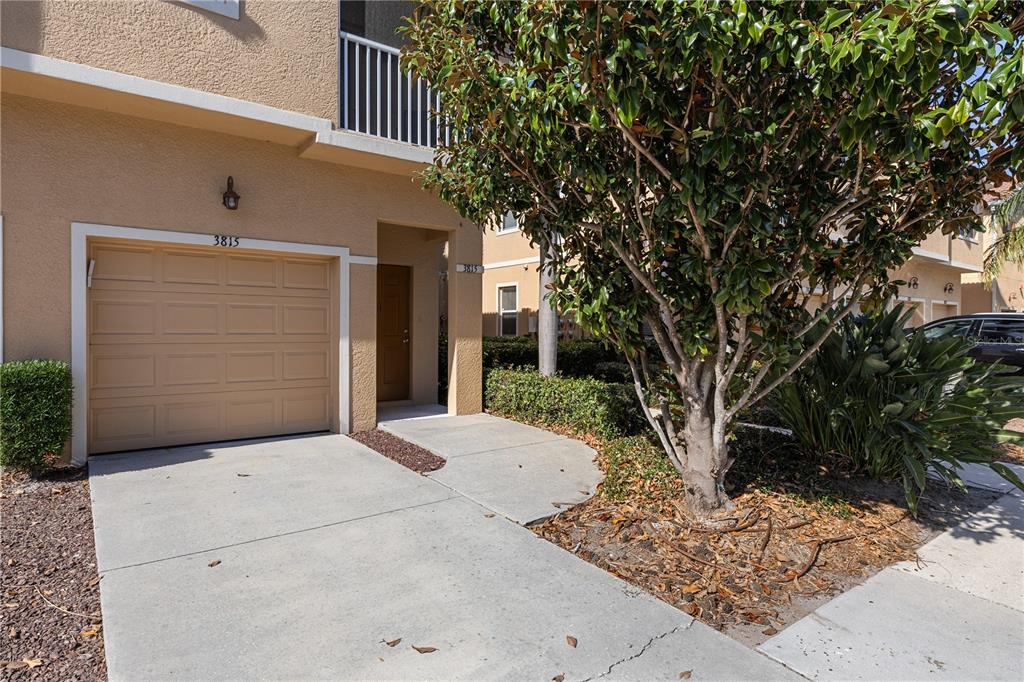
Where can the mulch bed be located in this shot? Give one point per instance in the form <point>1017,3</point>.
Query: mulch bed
<point>1014,453</point>
<point>800,534</point>
<point>52,627</point>
<point>402,451</point>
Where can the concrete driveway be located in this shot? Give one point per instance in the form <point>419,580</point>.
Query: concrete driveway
<point>299,558</point>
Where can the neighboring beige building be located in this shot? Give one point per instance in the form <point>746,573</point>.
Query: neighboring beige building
<point>510,284</point>
<point>185,320</point>
<point>1004,294</point>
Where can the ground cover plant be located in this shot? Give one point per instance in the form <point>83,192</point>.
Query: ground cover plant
<point>701,168</point>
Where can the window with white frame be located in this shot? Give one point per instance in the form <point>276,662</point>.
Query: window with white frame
<point>508,310</point>
<point>508,224</point>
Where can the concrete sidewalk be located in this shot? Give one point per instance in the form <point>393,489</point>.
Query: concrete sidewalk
<point>955,614</point>
<point>523,473</point>
<point>301,558</point>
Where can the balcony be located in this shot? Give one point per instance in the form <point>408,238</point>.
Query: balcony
<point>377,98</point>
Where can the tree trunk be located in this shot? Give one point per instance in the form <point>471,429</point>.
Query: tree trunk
<point>547,322</point>
<point>707,460</point>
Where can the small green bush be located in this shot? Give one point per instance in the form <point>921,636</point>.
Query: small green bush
<point>896,405</point>
<point>584,405</point>
<point>576,358</point>
<point>35,413</point>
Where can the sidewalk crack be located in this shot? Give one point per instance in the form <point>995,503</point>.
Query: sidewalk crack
<point>642,651</point>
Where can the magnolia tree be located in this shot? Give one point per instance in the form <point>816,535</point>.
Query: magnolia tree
<point>699,170</point>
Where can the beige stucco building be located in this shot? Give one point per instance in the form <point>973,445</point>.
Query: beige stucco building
<point>938,281</point>
<point>184,319</point>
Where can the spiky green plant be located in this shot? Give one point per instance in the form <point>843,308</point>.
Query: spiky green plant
<point>899,405</point>
<point>1008,223</point>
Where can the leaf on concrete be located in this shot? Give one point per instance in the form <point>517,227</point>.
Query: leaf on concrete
<point>571,641</point>
<point>393,643</point>
<point>425,649</point>
<point>685,675</point>
<point>558,678</point>
<point>215,562</point>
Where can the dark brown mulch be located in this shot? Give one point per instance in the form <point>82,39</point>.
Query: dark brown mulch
<point>402,451</point>
<point>52,627</point>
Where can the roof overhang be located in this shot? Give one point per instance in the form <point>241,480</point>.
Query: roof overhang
<point>57,80</point>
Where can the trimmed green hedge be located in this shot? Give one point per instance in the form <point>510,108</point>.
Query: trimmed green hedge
<point>35,413</point>
<point>584,405</point>
<point>576,358</point>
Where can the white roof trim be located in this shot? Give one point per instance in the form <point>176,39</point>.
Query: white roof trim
<point>370,144</point>
<point>42,65</point>
<point>529,260</point>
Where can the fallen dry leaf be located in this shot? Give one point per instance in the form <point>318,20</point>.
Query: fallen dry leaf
<point>488,516</point>
<point>11,605</point>
<point>558,678</point>
<point>425,649</point>
<point>243,475</point>
<point>32,662</point>
<point>571,641</point>
<point>691,588</point>
<point>215,562</point>
<point>89,633</point>
<point>13,633</point>
<point>685,675</point>
<point>12,665</point>
<point>769,631</point>
<point>393,643</point>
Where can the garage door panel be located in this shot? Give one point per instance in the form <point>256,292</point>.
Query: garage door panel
<point>305,364</point>
<point>191,267</point>
<point>251,318</point>
<point>173,369</point>
<point>197,417</point>
<point>121,317</point>
<point>182,370</point>
<point>304,274</point>
<point>251,366</point>
<point>123,370</point>
<point>124,263</point>
<point>130,424</point>
<point>306,319</point>
<point>252,271</point>
<point>191,345</point>
<point>190,317</point>
<point>148,422</point>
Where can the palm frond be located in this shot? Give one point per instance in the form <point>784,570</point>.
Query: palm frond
<point>1008,223</point>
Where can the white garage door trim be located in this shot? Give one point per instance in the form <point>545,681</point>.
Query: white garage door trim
<point>81,232</point>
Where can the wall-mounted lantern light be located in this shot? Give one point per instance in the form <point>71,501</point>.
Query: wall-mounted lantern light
<point>948,288</point>
<point>912,283</point>
<point>231,197</point>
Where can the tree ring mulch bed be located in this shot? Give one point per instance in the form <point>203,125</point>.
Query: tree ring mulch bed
<point>402,451</point>
<point>52,627</point>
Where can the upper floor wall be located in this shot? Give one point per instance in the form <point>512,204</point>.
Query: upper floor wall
<point>281,54</point>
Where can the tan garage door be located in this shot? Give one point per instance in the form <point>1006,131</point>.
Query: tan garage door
<point>188,345</point>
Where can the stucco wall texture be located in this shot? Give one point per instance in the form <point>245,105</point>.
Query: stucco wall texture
<point>278,53</point>
<point>64,164</point>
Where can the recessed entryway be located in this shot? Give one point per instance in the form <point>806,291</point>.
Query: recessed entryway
<point>393,331</point>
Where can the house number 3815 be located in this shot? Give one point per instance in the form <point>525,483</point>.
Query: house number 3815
<point>225,240</point>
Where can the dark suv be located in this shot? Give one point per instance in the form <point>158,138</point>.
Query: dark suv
<point>999,336</point>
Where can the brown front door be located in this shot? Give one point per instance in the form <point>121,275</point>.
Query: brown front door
<point>393,332</point>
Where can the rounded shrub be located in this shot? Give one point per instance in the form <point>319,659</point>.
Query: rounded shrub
<point>35,413</point>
